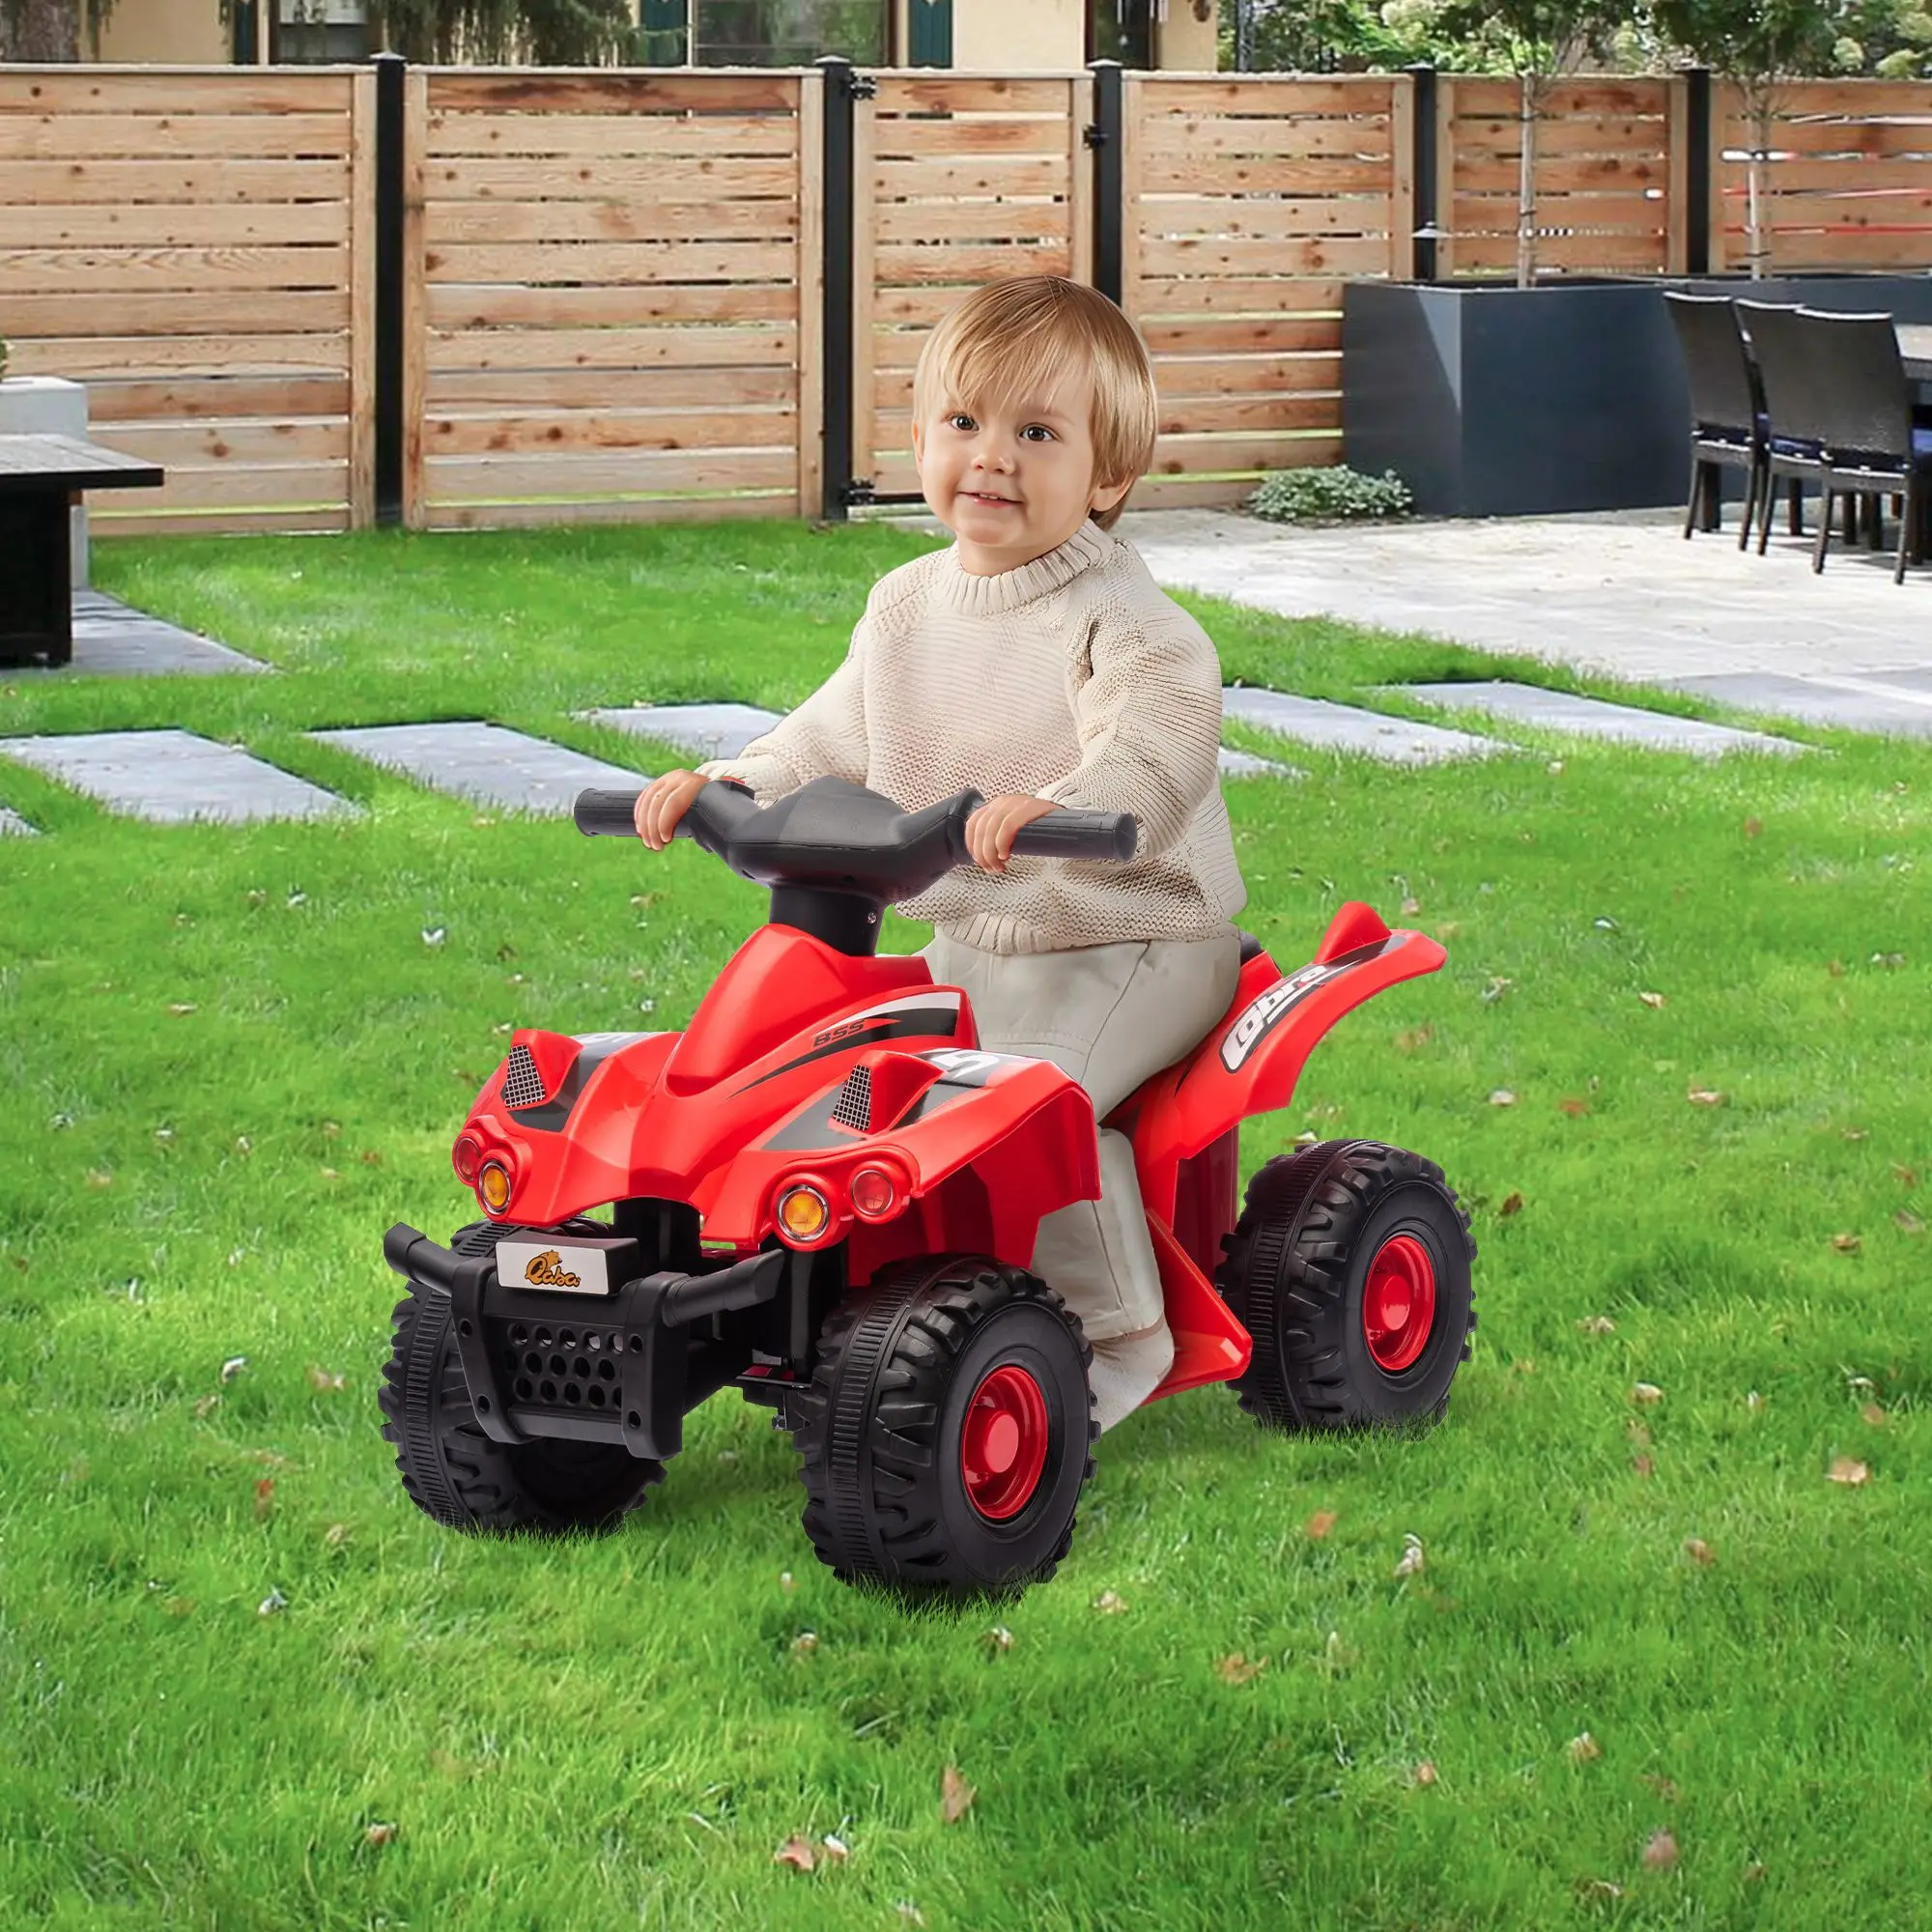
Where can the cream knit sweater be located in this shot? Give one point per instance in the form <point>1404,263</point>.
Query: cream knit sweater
<point>1073,678</point>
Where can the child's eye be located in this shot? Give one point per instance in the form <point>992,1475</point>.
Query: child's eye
<point>960,419</point>
<point>1040,428</point>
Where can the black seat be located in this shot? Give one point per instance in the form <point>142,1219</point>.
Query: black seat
<point>1871,442</point>
<point>1727,413</point>
<point>1250,946</point>
<point>1794,402</point>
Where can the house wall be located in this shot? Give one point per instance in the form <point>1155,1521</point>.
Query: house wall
<point>1184,45</point>
<point>173,33</point>
<point>1019,35</point>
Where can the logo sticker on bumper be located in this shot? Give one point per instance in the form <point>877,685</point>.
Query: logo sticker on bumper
<point>557,1267</point>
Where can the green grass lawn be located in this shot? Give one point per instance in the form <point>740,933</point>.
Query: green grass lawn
<point>232,1059</point>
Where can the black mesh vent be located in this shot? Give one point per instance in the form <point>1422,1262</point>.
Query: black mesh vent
<point>522,1083</point>
<point>562,1367</point>
<point>854,1105</point>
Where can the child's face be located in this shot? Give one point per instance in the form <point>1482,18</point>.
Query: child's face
<point>1015,479</point>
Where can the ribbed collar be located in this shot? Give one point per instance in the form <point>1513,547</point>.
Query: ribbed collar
<point>1011,589</point>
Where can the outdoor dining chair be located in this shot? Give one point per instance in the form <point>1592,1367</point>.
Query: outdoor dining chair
<point>1727,413</point>
<point>1794,402</point>
<point>1871,443</point>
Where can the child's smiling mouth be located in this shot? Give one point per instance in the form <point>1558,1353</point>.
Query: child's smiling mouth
<point>981,496</point>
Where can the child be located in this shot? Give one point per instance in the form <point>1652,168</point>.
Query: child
<point>1036,661</point>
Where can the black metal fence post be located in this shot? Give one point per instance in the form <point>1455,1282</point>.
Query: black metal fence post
<point>1422,169</point>
<point>390,174</point>
<point>1106,137</point>
<point>1698,171</point>
<point>835,184</point>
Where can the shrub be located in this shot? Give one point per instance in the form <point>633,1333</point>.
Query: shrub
<point>3,355</point>
<point>1335,495</point>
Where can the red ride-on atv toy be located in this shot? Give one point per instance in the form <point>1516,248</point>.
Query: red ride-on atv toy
<point>822,1193</point>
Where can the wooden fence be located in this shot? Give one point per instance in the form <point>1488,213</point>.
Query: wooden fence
<point>198,247</point>
<point>611,300</point>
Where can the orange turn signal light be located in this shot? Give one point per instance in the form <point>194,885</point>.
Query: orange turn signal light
<point>492,1186</point>
<point>803,1213</point>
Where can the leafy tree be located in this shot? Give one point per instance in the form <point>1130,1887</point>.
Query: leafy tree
<point>1758,45</point>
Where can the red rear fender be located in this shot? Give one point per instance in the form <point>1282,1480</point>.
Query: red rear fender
<point>1249,1063</point>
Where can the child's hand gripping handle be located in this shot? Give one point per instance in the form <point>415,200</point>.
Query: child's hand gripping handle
<point>608,814</point>
<point>1078,834</point>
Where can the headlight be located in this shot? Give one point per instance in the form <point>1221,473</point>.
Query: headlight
<point>874,1193</point>
<point>464,1156</point>
<point>803,1213</point>
<point>492,1186</point>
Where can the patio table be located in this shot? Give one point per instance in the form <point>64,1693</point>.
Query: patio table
<point>1915,348</point>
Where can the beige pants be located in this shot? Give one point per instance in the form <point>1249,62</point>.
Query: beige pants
<point>1110,1016</point>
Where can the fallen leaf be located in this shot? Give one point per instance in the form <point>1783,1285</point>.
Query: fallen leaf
<point>181,1009</point>
<point>1873,1413</point>
<point>1599,1888</point>
<point>1583,1748</point>
<point>1412,1561</point>
<point>1646,1392</point>
<point>379,1834</point>
<point>1836,969</point>
<point>1704,1096</point>
<point>1496,989</point>
<point>1000,1637</point>
<point>1637,1432</point>
<point>1512,1204</point>
<point>269,1604</point>
<point>1237,1669</point>
<point>243,1144</point>
<point>1909,1222</point>
<point>1752,827</point>
<point>805,1643</point>
<point>1700,1552</point>
<point>1906,1177</point>
<point>1524,1365</point>
<point>1751,1874</point>
<point>99,1177</point>
<point>336,1535</point>
<point>1425,1773</point>
<point>835,1848</point>
<point>1575,1107</point>
<point>1412,1037</point>
<point>1753,1400</point>
<point>1661,1854</point>
<point>434,935</point>
<point>233,1367</point>
<point>1890,961</point>
<point>1856,1133</point>
<point>1555,768</point>
<point>1846,1469</point>
<point>1412,906</point>
<point>370,1158</point>
<point>956,1796</point>
<point>1661,1785</point>
<point>909,1911</point>
<point>320,1378</point>
<point>1109,1604</point>
<point>787,1583</point>
<point>265,1498</point>
<point>1320,1523</point>
<point>206,1407</point>
<point>1652,999</point>
<point>796,1852</point>
<point>1451,928</point>
<point>330,1173</point>
<point>1501,1097</point>
<point>1598,1325</point>
<point>1307,1138</point>
<point>1644,1466</point>
<point>1845,1244</point>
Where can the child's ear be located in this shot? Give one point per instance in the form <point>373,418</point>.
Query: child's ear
<point>1106,495</point>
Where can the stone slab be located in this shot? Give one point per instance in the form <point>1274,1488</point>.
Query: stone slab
<point>1836,705</point>
<point>114,639</point>
<point>174,778</point>
<point>1342,728</point>
<point>704,730</point>
<point>1245,765</point>
<point>489,764</point>
<point>14,825</point>
<point>1595,718</point>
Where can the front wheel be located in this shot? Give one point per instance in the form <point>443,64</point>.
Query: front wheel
<point>1349,1267</point>
<point>454,1472</point>
<point>947,1430</point>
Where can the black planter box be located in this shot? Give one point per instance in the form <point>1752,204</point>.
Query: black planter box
<point>1494,401</point>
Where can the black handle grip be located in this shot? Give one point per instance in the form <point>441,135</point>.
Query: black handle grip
<point>608,814</point>
<point>1078,834</point>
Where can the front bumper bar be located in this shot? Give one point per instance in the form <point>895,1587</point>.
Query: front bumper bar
<point>663,1371</point>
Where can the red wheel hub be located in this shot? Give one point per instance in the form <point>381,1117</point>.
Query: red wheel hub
<point>1003,1445</point>
<point>1399,1303</point>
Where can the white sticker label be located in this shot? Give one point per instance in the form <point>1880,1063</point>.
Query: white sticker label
<point>1265,1009</point>
<point>556,1266</point>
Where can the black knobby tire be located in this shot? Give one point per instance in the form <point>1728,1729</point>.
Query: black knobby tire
<point>884,1439</point>
<point>453,1471</point>
<point>1317,1228</point>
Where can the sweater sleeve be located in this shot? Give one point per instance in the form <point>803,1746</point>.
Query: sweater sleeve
<point>1149,718</point>
<point>824,737</point>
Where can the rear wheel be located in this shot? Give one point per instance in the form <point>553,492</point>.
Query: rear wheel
<point>1349,1267</point>
<point>457,1475</point>
<point>947,1430</point>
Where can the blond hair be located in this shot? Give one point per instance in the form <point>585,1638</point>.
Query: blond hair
<point>1043,327</point>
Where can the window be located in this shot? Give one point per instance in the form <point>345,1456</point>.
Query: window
<point>789,33</point>
<point>1121,30</point>
<point>323,33</point>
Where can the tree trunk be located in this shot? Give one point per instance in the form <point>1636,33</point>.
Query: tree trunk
<point>1525,196</point>
<point>1757,233</point>
<point>35,31</point>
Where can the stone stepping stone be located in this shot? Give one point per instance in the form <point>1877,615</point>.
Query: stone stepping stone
<point>1342,728</point>
<point>1886,703</point>
<point>174,778</point>
<point>114,639</point>
<point>488,764</point>
<point>14,825</point>
<point>1595,718</point>
<point>723,730</point>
